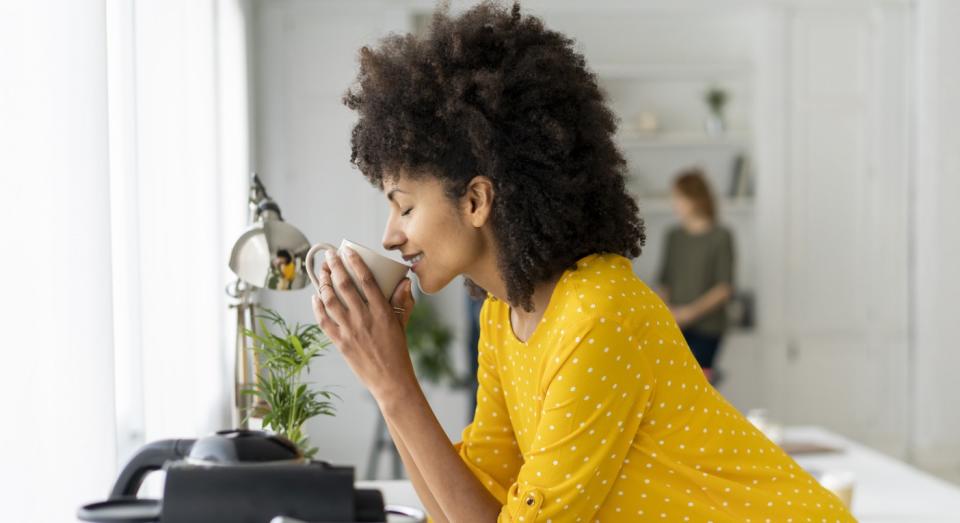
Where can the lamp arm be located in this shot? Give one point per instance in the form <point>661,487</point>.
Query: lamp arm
<point>257,191</point>
<point>262,205</point>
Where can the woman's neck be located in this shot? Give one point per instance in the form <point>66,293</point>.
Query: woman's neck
<point>540,299</point>
<point>487,274</point>
<point>697,224</point>
<point>525,323</point>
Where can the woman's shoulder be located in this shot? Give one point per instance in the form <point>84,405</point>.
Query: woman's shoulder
<point>597,288</point>
<point>715,235</point>
<point>722,237</point>
<point>722,231</point>
<point>604,300</point>
<point>595,271</point>
<point>603,286</point>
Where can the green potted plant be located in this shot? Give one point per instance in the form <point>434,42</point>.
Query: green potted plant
<point>428,341</point>
<point>286,401</point>
<point>716,99</point>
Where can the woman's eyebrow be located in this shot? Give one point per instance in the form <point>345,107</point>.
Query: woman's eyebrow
<point>390,194</point>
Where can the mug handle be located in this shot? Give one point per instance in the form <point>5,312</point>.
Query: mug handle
<point>310,270</point>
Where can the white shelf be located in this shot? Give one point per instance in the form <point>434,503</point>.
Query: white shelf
<point>659,205</point>
<point>632,140</point>
<point>662,72</point>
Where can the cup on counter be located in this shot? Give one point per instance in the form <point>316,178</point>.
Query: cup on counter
<point>840,483</point>
<point>760,420</point>
<point>386,271</point>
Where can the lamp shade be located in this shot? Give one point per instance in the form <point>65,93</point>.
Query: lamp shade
<point>271,254</point>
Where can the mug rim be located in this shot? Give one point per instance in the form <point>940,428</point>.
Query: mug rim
<point>344,242</point>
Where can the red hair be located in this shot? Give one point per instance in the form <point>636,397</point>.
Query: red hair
<point>692,184</point>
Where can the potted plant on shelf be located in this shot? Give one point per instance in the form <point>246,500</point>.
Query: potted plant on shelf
<point>716,99</point>
<point>286,401</point>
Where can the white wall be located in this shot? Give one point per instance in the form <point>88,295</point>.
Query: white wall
<point>936,249</point>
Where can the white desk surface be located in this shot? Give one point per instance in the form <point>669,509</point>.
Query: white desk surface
<point>886,490</point>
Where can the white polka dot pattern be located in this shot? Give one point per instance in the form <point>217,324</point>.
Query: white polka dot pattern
<point>602,414</point>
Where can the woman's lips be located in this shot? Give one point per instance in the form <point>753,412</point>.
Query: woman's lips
<point>416,262</point>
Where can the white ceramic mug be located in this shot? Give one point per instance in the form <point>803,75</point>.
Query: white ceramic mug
<point>841,483</point>
<point>388,273</point>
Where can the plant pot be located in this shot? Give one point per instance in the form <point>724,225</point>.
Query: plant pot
<point>714,124</point>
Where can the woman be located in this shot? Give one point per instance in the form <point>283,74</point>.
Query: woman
<point>492,144</point>
<point>696,272</point>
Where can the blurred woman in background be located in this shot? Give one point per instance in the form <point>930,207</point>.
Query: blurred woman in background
<point>696,271</point>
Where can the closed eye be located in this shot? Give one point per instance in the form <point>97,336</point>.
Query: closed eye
<point>406,212</point>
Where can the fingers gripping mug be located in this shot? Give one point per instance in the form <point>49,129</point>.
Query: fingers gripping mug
<point>388,273</point>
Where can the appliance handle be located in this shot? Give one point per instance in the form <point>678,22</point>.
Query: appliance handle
<point>149,458</point>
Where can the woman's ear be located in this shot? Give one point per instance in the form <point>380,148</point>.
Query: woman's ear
<point>478,200</point>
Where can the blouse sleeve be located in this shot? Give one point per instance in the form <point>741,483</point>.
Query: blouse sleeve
<point>489,447</point>
<point>662,272</point>
<point>723,270</point>
<point>597,389</point>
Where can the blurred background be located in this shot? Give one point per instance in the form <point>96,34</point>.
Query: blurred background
<point>827,132</point>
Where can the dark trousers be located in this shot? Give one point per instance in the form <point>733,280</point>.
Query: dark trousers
<point>704,347</point>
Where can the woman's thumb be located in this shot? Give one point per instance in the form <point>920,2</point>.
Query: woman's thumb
<point>409,295</point>
<point>399,298</point>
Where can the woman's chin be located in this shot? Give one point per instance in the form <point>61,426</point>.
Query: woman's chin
<point>425,287</point>
<point>430,286</point>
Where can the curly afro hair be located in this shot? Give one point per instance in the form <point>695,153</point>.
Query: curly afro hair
<point>497,94</point>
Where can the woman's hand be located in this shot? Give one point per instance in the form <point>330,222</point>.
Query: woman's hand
<point>683,314</point>
<point>372,335</point>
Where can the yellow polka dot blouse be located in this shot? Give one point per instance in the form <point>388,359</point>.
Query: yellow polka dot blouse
<point>604,415</point>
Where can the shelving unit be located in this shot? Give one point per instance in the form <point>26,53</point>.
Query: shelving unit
<point>674,71</point>
<point>631,140</point>
<point>674,94</point>
<point>661,205</point>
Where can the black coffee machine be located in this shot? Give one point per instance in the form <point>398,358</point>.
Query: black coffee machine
<point>239,476</point>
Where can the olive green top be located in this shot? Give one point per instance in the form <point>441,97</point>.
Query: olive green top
<point>692,264</point>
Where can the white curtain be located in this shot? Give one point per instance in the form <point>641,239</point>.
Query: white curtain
<point>180,182</point>
<point>124,157</point>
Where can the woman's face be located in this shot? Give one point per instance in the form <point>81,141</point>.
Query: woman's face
<point>429,230</point>
<point>682,206</point>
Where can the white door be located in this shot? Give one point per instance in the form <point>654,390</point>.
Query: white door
<point>838,352</point>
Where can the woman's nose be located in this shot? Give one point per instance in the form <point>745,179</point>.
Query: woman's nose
<point>393,237</point>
